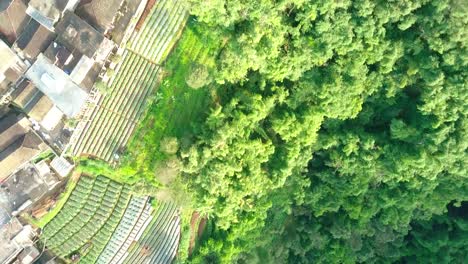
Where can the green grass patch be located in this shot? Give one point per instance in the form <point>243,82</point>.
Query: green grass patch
<point>142,183</point>
<point>183,251</point>
<point>175,106</point>
<point>48,154</point>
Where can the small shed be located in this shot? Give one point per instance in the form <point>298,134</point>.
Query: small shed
<point>61,166</point>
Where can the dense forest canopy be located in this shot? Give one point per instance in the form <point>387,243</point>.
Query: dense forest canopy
<point>340,135</point>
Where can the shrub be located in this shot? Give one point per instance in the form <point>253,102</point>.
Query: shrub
<point>169,145</point>
<point>110,72</point>
<point>101,86</point>
<point>198,76</point>
<point>115,58</point>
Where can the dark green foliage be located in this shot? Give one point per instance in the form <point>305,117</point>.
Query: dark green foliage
<point>442,239</point>
<point>341,133</point>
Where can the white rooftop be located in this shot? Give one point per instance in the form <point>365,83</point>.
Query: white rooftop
<point>57,85</point>
<point>7,57</point>
<point>61,166</point>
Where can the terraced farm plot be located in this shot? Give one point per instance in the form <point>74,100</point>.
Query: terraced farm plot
<point>112,118</point>
<point>93,208</point>
<point>115,114</point>
<point>160,30</point>
<point>102,219</point>
<point>160,241</point>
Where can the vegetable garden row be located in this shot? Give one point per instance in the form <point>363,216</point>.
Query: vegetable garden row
<point>160,31</point>
<point>160,241</point>
<point>102,222</point>
<point>115,115</point>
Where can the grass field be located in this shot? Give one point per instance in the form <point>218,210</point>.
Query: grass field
<point>176,106</point>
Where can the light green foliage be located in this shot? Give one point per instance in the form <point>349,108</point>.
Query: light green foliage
<point>169,145</point>
<point>115,58</point>
<point>176,106</point>
<point>101,86</point>
<point>340,124</point>
<point>198,76</point>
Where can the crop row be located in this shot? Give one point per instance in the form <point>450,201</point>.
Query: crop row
<point>160,30</point>
<point>73,205</point>
<point>136,214</point>
<point>88,209</point>
<point>102,237</point>
<point>115,118</point>
<point>159,242</point>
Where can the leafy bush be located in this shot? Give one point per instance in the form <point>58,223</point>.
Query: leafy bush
<point>101,86</point>
<point>169,145</point>
<point>198,76</point>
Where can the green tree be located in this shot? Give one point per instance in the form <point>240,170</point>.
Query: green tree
<point>342,126</point>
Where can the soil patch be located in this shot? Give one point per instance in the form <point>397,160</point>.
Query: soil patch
<point>201,227</point>
<point>196,231</point>
<point>148,7</point>
<point>193,222</point>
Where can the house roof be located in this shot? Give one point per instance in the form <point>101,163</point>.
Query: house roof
<point>17,144</point>
<point>7,57</point>
<point>57,85</point>
<point>34,39</point>
<point>4,4</point>
<point>11,130</point>
<point>75,33</point>
<point>24,93</point>
<point>13,19</point>
<point>26,185</point>
<point>33,102</point>
<point>46,12</point>
<point>99,13</point>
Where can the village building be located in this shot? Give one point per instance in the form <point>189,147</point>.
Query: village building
<point>18,143</point>
<point>17,242</point>
<point>11,67</point>
<point>57,85</point>
<point>13,18</point>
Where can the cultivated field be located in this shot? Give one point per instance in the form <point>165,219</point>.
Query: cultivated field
<point>112,117</point>
<point>102,222</point>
